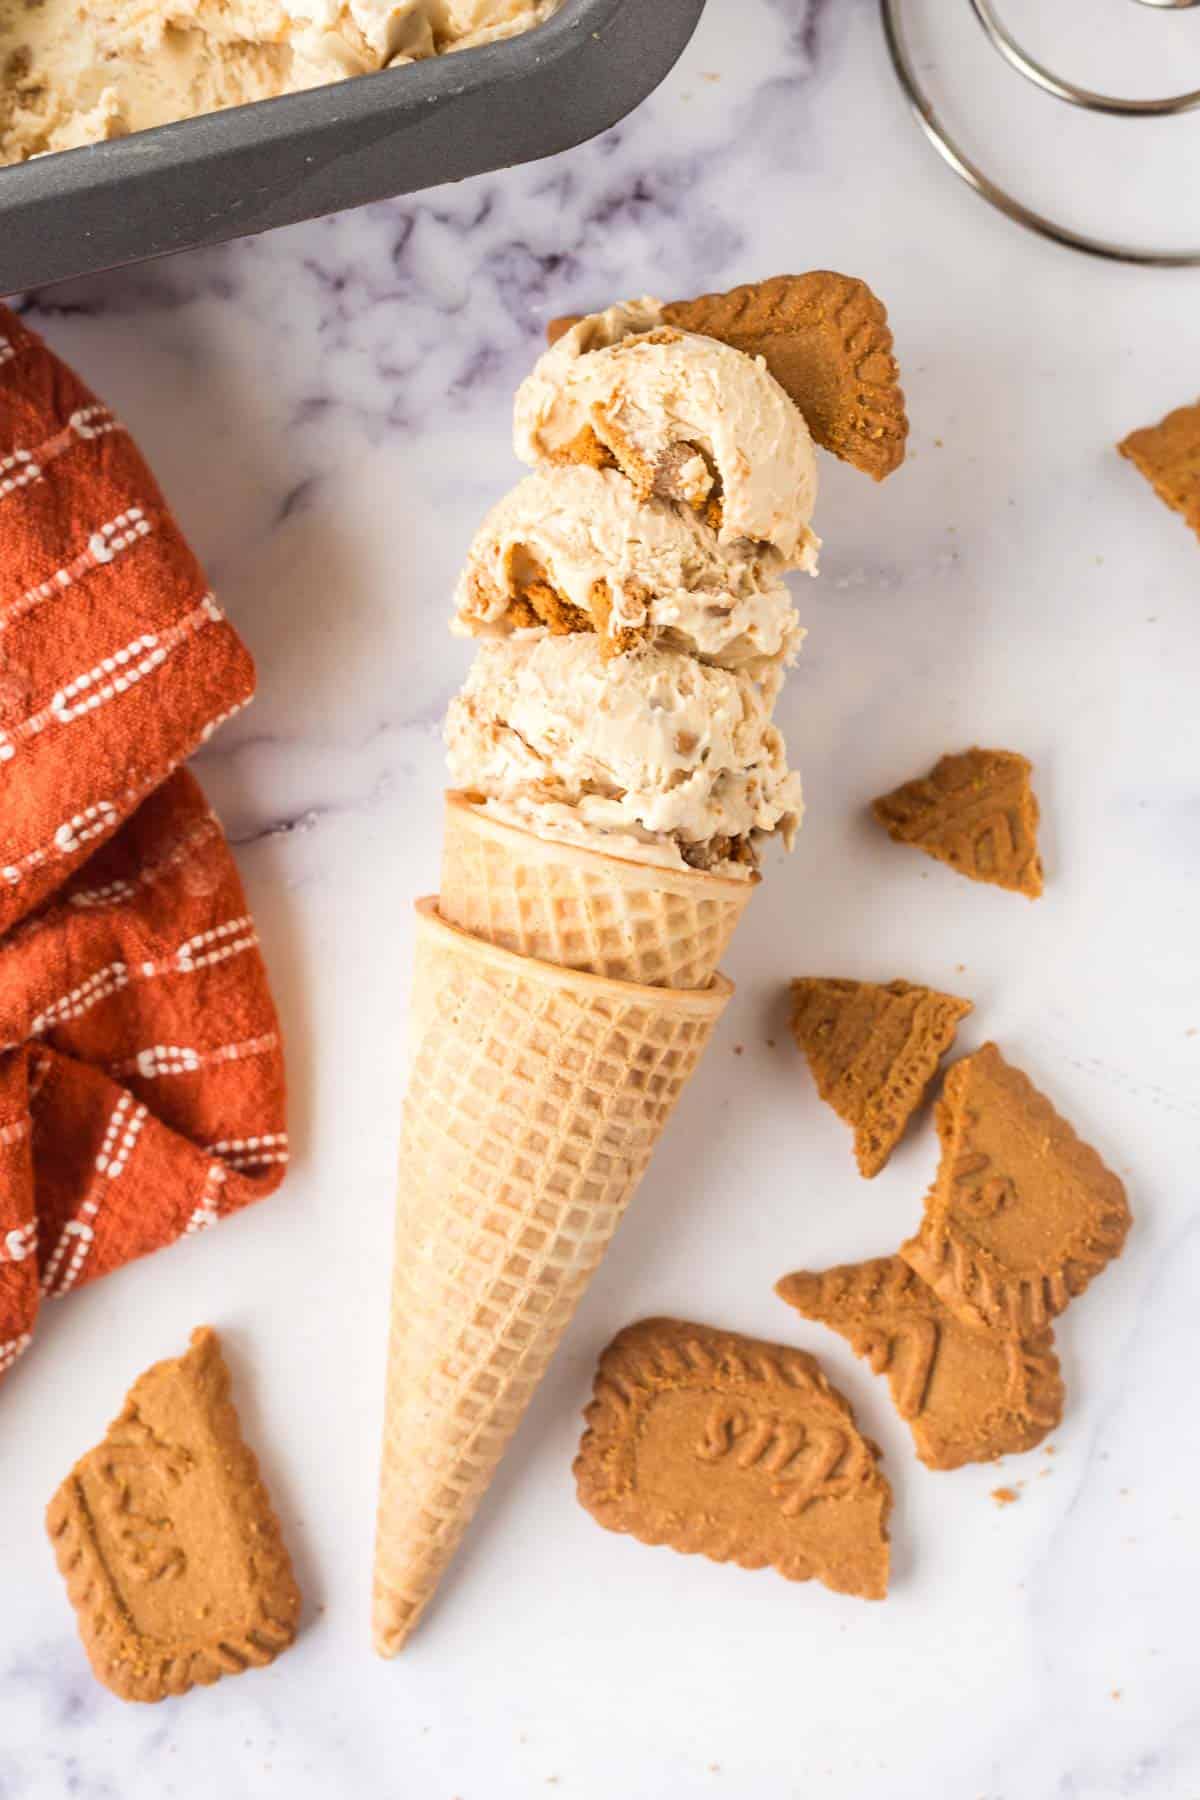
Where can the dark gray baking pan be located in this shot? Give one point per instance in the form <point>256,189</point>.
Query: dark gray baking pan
<point>252,167</point>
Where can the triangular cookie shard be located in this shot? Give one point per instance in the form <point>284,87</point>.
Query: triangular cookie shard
<point>975,811</point>
<point>1168,455</point>
<point>172,1555</point>
<point>873,1050</point>
<point>967,1396</point>
<point>1022,1215</point>
<point>725,1447</point>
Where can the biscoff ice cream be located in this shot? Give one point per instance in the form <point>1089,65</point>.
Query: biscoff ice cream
<point>684,417</point>
<point>572,547</point>
<point>77,71</point>
<point>648,754</point>
<point>631,594</point>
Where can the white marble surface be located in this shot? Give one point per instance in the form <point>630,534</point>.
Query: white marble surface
<point>328,410</point>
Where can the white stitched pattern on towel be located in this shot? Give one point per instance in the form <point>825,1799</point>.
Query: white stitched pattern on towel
<point>252,1152</point>
<point>116,673</point>
<point>10,1351</point>
<point>103,546</point>
<point>21,465</point>
<point>209,1209</point>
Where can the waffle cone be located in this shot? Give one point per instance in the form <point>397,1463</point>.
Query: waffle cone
<point>536,1097</point>
<point>584,909</point>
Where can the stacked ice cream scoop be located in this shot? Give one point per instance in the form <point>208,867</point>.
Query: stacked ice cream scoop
<point>633,590</point>
<point>617,770</point>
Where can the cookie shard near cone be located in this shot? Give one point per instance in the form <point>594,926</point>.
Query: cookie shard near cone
<point>873,1049</point>
<point>583,909</point>
<point>967,1396</point>
<point>537,1095</point>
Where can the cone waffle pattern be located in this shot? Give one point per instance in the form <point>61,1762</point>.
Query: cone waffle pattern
<point>536,1098</point>
<point>582,909</point>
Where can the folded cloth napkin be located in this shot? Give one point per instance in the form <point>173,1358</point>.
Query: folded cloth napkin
<point>141,1074</point>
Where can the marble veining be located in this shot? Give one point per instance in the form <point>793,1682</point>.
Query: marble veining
<point>328,409</point>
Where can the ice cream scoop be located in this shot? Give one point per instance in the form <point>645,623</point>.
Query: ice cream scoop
<point>573,548</point>
<point>649,753</point>
<point>76,74</point>
<point>684,417</point>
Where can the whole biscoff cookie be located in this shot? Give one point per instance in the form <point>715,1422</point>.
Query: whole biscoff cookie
<point>977,812</point>
<point>1022,1215</point>
<point>873,1050</point>
<point>966,1396</point>
<point>726,1447</point>
<point>172,1554</point>
<point>1168,455</point>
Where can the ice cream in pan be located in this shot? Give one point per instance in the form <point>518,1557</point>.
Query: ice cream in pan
<point>75,72</point>
<point>617,771</point>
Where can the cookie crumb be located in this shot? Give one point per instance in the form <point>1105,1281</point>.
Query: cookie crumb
<point>1005,1496</point>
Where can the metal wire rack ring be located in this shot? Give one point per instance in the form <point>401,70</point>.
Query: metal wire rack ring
<point>1042,77</point>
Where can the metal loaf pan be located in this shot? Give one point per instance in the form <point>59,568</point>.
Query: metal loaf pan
<point>253,167</point>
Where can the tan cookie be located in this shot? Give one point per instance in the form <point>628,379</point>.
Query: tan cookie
<point>1022,1215</point>
<point>873,1050</point>
<point>172,1555</point>
<point>725,1447</point>
<point>825,339</point>
<point>966,1396</point>
<point>1168,455</point>
<point>975,811</point>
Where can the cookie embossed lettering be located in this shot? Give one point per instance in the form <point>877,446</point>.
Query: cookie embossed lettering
<point>977,1194</point>
<point>805,1458</point>
<point>718,1445</point>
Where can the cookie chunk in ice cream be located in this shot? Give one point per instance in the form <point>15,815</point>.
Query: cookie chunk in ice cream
<point>572,548</point>
<point>684,418</point>
<point>648,754</point>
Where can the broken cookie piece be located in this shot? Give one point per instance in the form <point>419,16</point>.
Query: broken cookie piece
<point>977,812</point>
<point>1168,455</point>
<point>873,1050</point>
<point>165,1534</point>
<point>966,1396</point>
<point>723,1446</point>
<point>1023,1214</point>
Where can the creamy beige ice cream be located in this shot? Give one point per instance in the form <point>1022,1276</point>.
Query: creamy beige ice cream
<point>649,754</point>
<point>76,71</point>
<point>683,417</point>
<point>632,600</point>
<point>573,547</point>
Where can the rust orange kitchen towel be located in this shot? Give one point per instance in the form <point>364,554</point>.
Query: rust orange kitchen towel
<point>141,1074</point>
<point>115,661</point>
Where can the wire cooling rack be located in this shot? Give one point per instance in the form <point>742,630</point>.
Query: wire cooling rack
<point>1059,88</point>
